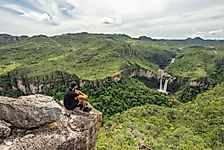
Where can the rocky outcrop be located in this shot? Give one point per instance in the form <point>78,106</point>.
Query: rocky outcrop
<point>29,111</point>
<point>73,130</point>
<point>199,84</point>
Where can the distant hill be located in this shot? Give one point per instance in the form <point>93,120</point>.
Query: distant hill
<point>41,59</point>
<point>7,39</point>
<point>120,73</point>
<point>89,56</point>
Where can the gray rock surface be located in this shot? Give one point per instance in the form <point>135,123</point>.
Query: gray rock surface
<point>74,130</point>
<point>4,129</point>
<point>29,111</point>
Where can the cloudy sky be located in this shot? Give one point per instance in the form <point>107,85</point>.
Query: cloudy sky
<point>154,18</point>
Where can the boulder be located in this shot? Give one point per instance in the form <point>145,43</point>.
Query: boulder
<point>74,130</point>
<point>77,130</point>
<point>29,111</point>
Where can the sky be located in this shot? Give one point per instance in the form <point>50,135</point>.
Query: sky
<point>169,19</point>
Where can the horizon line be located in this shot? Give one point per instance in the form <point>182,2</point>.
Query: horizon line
<point>115,33</point>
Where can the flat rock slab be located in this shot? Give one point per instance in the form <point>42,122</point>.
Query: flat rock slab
<point>29,111</point>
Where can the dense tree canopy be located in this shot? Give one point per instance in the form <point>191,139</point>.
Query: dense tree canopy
<point>192,126</point>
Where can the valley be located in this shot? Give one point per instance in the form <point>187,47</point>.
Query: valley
<point>159,94</point>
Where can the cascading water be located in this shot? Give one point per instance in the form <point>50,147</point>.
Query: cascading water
<point>161,87</point>
<point>161,83</point>
<point>165,86</point>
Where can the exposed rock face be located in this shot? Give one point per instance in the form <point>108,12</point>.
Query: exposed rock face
<point>18,83</point>
<point>4,129</point>
<point>199,84</point>
<point>126,73</point>
<point>29,111</point>
<point>5,38</point>
<point>75,130</point>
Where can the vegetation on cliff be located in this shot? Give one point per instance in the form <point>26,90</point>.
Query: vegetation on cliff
<point>89,56</point>
<point>200,64</point>
<point>97,56</point>
<point>196,63</point>
<point>116,97</point>
<point>135,115</point>
<point>194,125</point>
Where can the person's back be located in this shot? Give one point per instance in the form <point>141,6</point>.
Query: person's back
<point>69,99</point>
<point>75,98</point>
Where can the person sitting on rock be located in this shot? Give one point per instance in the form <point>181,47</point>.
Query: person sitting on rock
<point>75,98</point>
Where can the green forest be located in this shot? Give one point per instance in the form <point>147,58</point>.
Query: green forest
<point>121,76</point>
<point>196,125</point>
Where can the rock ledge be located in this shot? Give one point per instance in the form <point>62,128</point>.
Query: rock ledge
<point>58,128</point>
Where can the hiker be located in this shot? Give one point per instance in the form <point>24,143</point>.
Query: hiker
<point>75,98</point>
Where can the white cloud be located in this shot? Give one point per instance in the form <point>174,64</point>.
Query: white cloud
<point>110,21</point>
<point>43,17</point>
<point>33,15</point>
<point>13,7</point>
<point>207,34</point>
<point>107,20</point>
<point>156,18</point>
<point>37,16</point>
<point>216,32</point>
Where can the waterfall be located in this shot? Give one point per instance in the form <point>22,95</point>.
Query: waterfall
<point>165,86</point>
<point>161,83</point>
<point>161,87</point>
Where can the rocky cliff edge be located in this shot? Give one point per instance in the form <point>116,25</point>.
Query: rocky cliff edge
<point>37,122</point>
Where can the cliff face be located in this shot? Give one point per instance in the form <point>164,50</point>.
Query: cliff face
<point>17,83</point>
<point>6,38</point>
<point>36,122</point>
<point>126,73</point>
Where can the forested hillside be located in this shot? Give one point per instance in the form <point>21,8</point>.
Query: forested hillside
<point>155,94</point>
<point>194,125</point>
<point>96,56</point>
<point>99,56</point>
